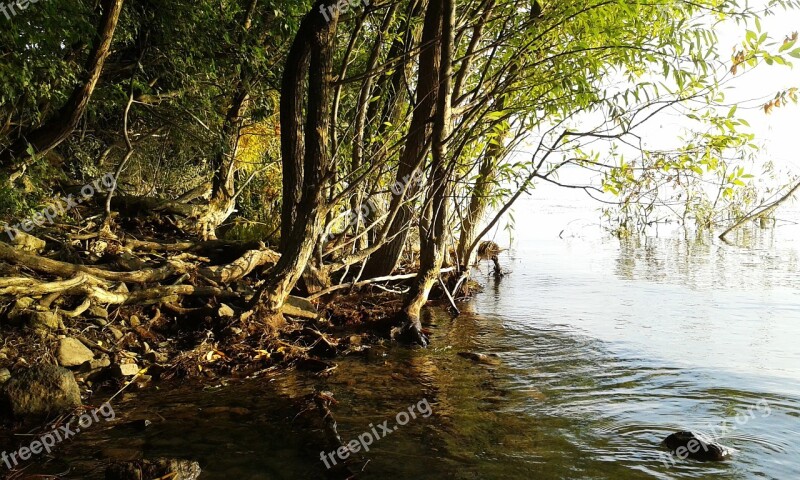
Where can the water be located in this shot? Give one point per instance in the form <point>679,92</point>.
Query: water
<point>605,347</point>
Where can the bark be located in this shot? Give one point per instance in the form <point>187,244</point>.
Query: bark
<point>311,51</point>
<point>385,260</point>
<point>433,224</point>
<point>48,136</point>
<point>293,88</point>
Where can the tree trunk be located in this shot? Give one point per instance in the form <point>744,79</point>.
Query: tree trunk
<point>57,129</point>
<point>434,219</point>
<point>311,52</point>
<point>385,260</point>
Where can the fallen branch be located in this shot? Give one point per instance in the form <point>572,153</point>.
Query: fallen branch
<point>388,278</point>
<point>768,208</point>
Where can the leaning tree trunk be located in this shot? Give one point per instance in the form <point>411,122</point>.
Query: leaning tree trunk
<point>57,129</point>
<point>433,224</point>
<point>207,218</point>
<point>311,52</point>
<point>480,198</point>
<point>385,260</point>
<point>222,203</point>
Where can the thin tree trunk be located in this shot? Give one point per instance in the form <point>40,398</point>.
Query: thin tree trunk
<point>433,225</point>
<point>385,260</point>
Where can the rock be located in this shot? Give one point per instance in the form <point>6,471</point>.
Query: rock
<point>44,321</point>
<point>27,243</point>
<point>17,313</point>
<point>300,308</point>
<point>225,311</point>
<point>490,359</point>
<point>156,357</point>
<point>116,333</point>
<point>95,363</point>
<point>97,311</point>
<point>72,353</point>
<point>126,369</point>
<point>100,322</point>
<point>688,445</point>
<point>39,391</point>
<point>4,375</point>
<point>149,469</point>
<point>134,321</point>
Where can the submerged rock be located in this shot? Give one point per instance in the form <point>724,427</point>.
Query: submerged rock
<point>149,469</point>
<point>486,359</point>
<point>39,391</point>
<point>689,445</point>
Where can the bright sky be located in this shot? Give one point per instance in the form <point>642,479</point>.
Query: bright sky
<point>779,130</point>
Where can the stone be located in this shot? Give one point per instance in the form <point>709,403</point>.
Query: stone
<point>41,391</point>
<point>300,308</point>
<point>126,369</point>
<point>100,322</point>
<point>28,243</point>
<point>116,333</point>
<point>72,353</point>
<point>44,321</point>
<point>18,310</point>
<point>160,468</point>
<point>97,311</point>
<point>225,311</point>
<point>697,447</point>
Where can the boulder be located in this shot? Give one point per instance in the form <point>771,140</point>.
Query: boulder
<point>72,353</point>
<point>149,469</point>
<point>40,391</point>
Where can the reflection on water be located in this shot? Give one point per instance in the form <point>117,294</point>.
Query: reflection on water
<point>606,347</point>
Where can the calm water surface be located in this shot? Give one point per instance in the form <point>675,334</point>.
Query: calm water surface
<point>605,347</point>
